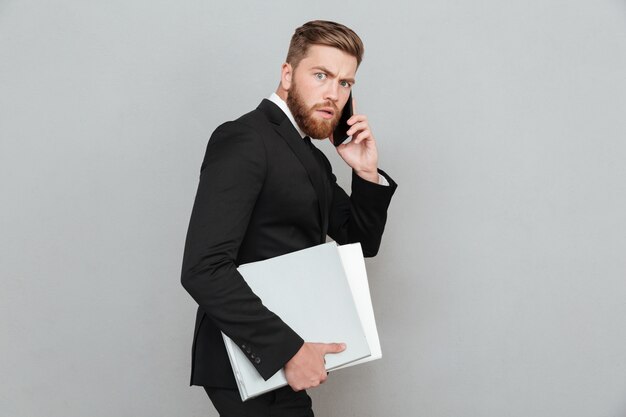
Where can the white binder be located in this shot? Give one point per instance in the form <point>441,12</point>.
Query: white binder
<point>318,277</point>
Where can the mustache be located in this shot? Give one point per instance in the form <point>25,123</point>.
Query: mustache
<point>325,104</point>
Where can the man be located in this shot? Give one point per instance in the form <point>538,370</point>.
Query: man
<point>265,191</point>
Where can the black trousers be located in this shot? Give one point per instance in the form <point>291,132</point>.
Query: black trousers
<point>283,402</point>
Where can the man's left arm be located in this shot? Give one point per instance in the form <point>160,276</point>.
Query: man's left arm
<point>362,216</point>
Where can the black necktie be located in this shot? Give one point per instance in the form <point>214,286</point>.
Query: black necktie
<point>307,139</point>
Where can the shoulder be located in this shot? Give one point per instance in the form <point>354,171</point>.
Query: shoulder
<point>235,133</point>
<point>248,128</point>
<point>238,142</point>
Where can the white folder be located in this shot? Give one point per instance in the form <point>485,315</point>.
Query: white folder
<point>321,293</point>
<point>354,266</point>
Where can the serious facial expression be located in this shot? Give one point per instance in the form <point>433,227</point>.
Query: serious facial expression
<point>318,89</point>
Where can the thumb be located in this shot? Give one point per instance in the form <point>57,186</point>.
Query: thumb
<point>334,347</point>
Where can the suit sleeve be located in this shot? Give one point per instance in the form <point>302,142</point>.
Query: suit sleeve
<point>231,178</point>
<point>361,217</point>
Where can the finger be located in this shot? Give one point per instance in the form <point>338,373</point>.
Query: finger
<point>334,347</point>
<point>356,118</point>
<point>362,136</point>
<point>353,105</point>
<point>296,388</point>
<point>357,127</point>
<point>340,148</point>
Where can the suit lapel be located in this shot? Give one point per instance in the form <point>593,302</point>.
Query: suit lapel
<point>306,156</point>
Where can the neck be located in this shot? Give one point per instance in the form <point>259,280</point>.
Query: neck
<point>282,93</point>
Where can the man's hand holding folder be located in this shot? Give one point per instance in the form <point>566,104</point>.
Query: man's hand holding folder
<point>306,369</point>
<point>334,274</point>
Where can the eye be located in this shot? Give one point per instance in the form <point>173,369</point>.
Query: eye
<point>320,76</point>
<point>345,84</point>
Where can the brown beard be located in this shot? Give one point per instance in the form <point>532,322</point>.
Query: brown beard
<point>316,128</point>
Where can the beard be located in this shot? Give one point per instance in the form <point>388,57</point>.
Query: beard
<point>315,127</point>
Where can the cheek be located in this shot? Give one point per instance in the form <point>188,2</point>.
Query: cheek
<point>309,99</point>
<point>309,90</point>
<point>344,98</point>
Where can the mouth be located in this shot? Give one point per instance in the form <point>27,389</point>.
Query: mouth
<point>325,112</point>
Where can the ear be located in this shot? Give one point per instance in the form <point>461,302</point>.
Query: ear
<point>286,74</point>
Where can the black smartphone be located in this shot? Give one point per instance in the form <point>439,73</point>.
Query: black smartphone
<point>340,134</point>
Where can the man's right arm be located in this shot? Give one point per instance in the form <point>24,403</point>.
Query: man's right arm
<point>231,179</point>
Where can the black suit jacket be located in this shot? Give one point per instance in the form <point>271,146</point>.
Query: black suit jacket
<point>263,192</point>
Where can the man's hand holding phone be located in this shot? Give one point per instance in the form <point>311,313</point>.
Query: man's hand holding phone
<point>360,153</point>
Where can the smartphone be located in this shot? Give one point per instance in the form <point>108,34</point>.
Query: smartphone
<point>340,134</point>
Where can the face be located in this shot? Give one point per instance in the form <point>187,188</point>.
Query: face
<point>318,89</point>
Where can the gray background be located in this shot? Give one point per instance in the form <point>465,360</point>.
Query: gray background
<point>500,285</point>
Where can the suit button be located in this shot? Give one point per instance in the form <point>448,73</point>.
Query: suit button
<point>252,356</point>
<point>243,346</point>
<point>257,360</point>
<point>249,349</point>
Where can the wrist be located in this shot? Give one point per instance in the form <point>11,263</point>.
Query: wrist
<point>368,175</point>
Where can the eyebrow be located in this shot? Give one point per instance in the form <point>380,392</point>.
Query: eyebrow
<point>332,74</point>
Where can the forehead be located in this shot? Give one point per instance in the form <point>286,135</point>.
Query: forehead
<point>336,60</point>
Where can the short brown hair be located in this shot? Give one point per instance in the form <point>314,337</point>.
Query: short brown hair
<point>323,32</point>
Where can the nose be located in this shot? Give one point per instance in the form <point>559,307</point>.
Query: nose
<point>332,92</point>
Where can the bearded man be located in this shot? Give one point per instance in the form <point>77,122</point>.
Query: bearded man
<point>265,190</point>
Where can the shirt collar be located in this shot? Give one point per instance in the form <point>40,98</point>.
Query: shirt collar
<point>274,98</point>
